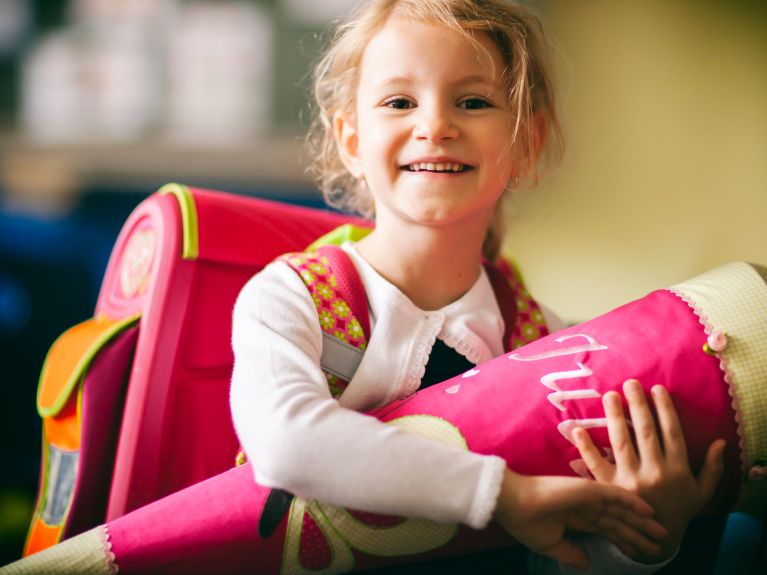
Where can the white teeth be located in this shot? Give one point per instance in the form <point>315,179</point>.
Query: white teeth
<point>436,167</point>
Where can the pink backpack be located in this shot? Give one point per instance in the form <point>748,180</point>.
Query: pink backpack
<point>135,400</point>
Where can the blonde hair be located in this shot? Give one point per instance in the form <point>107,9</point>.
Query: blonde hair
<point>514,29</point>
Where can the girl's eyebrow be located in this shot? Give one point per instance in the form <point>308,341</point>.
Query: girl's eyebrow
<point>406,79</point>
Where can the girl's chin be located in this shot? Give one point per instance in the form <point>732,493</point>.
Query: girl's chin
<point>442,217</point>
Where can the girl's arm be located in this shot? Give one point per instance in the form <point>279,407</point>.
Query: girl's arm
<point>300,439</point>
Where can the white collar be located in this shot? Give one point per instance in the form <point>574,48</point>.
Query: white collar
<point>472,324</point>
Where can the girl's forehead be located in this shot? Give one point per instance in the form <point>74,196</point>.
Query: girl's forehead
<point>412,48</point>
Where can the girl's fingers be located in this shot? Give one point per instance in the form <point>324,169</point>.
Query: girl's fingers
<point>622,534</point>
<point>617,430</point>
<point>627,549</point>
<point>713,465</point>
<point>568,553</point>
<point>643,422</point>
<point>600,468</point>
<point>641,523</point>
<point>673,438</point>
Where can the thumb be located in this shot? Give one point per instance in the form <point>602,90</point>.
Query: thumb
<point>712,469</point>
<point>570,554</point>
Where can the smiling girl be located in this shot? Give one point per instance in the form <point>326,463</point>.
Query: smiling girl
<point>429,113</point>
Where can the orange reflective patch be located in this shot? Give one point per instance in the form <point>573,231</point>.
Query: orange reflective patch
<point>69,358</point>
<point>41,536</point>
<point>63,430</point>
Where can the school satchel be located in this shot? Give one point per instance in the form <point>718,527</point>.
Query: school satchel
<point>134,400</point>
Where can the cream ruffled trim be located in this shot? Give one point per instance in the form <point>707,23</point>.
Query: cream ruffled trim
<point>109,556</point>
<point>708,329</point>
<point>468,351</point>
<point>418,368</point>
<point>89,553</point>
<point>733,300</point>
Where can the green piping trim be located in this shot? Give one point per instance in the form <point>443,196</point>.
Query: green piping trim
<point>190,229</point>
<point>82,366</point>
<point>80,392</point>
<point>339,235</point>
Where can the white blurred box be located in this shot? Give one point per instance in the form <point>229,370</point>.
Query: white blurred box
<point>220,74</point>
<point>100,79</point>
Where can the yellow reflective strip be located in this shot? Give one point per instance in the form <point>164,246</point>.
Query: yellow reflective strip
<point>190,230</point>
<point>339,235</point>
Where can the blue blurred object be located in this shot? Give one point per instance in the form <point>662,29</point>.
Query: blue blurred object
<point>14,305</point>
<point>50,272</point>
<point>744,546</point>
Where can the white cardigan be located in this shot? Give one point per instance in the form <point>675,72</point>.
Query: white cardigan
<point>300,439</point>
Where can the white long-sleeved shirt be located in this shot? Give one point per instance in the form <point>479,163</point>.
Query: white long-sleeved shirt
<point>301,439</point>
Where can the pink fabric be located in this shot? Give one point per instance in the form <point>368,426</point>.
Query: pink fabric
<point>210,527</point>
<point>507,409</point>
<point>509,406</point>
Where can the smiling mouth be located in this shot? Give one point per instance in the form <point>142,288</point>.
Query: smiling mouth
<point>438,168</point>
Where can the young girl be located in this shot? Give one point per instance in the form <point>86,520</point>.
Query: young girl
<point>429,113</point>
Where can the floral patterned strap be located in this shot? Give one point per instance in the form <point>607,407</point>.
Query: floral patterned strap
<point>529,323</point>
<point>339,296</point>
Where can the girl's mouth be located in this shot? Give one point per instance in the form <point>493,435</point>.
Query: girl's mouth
<point>437,167</point>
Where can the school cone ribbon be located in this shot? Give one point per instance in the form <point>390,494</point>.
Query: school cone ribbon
<point>705,340</point>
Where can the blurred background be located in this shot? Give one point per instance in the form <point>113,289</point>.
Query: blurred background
<point>664,104</point>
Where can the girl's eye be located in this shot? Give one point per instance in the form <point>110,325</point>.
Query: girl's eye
<point>399,103</point>
<point>474,104</point>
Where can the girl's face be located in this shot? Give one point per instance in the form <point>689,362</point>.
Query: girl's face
<point>431,133</point>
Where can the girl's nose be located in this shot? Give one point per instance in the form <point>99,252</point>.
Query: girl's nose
<point>435,125</point>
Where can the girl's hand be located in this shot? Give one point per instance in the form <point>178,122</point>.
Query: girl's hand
<point>658,469</point>
<point>538,511</point>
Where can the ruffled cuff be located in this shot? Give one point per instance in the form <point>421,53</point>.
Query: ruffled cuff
<point>486,495</point>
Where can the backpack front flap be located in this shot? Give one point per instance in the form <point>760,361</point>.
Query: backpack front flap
<point>80,397</point>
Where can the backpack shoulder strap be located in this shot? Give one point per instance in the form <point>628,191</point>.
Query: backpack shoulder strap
<point>507,301</point>
<point>342,308</point>
<point>521,313</point>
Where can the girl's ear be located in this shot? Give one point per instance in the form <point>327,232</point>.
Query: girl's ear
<point>347,140</point>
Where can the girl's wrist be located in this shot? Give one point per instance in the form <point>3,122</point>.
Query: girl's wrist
<point>510,500</point>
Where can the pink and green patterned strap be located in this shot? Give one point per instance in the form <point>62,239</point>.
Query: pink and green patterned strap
<point>339,296</point>
<point>529,324</point>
